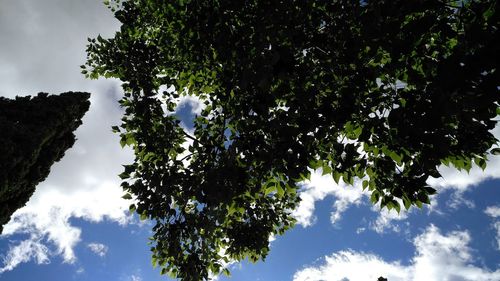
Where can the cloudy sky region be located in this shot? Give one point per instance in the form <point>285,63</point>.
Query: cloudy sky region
<point>77,227</point>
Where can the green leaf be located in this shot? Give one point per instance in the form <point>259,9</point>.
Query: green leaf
<point>231,209</point>
<point>124,175</point>
<point>127,196</point>
<point>406,202</point>
<point>326,170</point>
<point>280,191</point>
<point>419,204</point>
<point>397,206</point>
<point>336,176</point>
<point>132,208</point>
<point>226,272</point>
<point>123,142</point>
<point>396,157</point>
<point>429,190</point>
<point>130,140</point>
<point>488,13</point>
<point>365,184</point>
<point>482,164</point>
<point>270,189</point>
<point>315,164</point>
<point>375,197</point>
<point>445,162</point>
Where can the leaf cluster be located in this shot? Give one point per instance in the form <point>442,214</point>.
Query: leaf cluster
<point>382,91</point>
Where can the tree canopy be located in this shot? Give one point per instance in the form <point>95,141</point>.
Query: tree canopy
<point>35,133</point>
<point>380,91</point>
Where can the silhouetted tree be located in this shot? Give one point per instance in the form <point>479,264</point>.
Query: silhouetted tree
<point>34,133</point>
<point>381,91</point>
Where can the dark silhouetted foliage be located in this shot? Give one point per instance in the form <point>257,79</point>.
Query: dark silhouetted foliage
<point>380,91</point>
<point>35,133</point>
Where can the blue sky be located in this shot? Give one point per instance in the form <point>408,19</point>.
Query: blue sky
<point>77,227</point>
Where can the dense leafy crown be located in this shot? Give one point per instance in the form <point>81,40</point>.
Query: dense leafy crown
<point>382,91</point>
<point>34,133</point>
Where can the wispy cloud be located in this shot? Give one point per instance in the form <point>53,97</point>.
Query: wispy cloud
<point>47,215</point>
<point>321,186</point>
<point>318,188</point>
<point>135,278</point>
<point>494,212</point>
<point>387,220</point>
<point>23,252</point>
<point>98,249</point>
<point>437,257</point>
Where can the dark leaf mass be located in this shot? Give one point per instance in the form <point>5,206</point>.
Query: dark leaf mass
<point>34,133</point>
<point>379,91</point>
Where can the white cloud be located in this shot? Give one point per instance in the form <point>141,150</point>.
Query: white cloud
<point>24,252</point>
<point>387,219</point>
<point>494,212</point>
<point>317,188</point>
<point>496,226</point>
<point>98,249</point>
<point>193,102</point>
<point>45,48</point>
<point>47,42</point>
<point>437,257</point>
<point>48,214</point>
<point>360,230</point>
<point>135,278</point>
<point>350,265</point>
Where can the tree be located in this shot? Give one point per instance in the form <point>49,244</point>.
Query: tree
<point>36,131</point>
<point>381,91</point>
